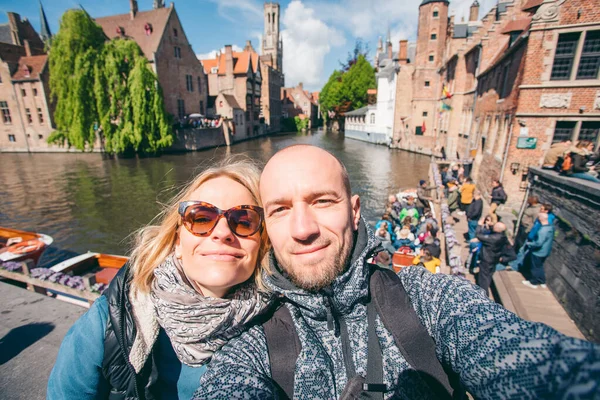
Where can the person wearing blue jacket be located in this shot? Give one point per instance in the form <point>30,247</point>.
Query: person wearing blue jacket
<point>539,250</point>
<point>192,284</point>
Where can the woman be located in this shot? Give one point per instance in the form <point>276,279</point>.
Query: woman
<point>580,155</point>
<point>431,263</point>
<point>192,284</point>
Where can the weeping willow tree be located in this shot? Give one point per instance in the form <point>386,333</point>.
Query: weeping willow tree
<point>120,94</point>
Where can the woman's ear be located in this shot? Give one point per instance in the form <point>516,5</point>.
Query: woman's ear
<point>177,247</point>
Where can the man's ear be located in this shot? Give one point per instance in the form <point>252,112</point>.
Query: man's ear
<point>355,202</point>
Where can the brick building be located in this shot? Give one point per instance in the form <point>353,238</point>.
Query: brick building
<point>504,87</point>
<point>237,74</point>
<point>25,104</point>
<point>160,35</point>
<point>297,102</point>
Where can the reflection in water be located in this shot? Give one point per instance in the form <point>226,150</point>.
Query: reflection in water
<point>87,203</point>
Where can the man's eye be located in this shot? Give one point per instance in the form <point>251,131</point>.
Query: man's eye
<point>277,210</point>
<point>324,201</point>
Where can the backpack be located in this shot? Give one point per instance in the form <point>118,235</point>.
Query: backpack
<point>567,164</point>
<point>390,301</point>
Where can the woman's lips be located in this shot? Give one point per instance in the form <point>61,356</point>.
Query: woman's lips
<point>222,255</point>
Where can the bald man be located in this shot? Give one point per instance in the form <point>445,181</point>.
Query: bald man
<point>433,331</point>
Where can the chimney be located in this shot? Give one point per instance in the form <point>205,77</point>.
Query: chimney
<point>474,11</point>
<point>133,8</point>
<point>228,60</point>
<point>248,46</point>
<point>27,48</point>
<point>403,52</point>
<point>300,86</point>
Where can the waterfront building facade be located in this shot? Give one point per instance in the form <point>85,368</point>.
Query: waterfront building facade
<point>237,74</point>
<point>501,89</point>
<point>161,37</point>
<point>297,102</point>
<point>26,120</point>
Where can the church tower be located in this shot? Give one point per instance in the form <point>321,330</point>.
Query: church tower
<point>272,44</point>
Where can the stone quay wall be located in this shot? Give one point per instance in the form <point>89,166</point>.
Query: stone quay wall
<point>192,139</point>
<point>573,267</point>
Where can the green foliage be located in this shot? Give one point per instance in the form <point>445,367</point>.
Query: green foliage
<point>301,123</point>
<point>107,85</point>
<point>348,90</point>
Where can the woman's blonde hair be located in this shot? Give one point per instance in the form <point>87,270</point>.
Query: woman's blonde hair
<point>154,242</point>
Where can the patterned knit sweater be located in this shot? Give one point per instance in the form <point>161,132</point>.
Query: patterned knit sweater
<point>496,354</point>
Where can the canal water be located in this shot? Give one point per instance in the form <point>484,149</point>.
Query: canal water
<point>87,203</point>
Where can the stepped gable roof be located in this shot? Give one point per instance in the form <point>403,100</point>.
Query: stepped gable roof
<point>434,1</point>
<point>30,68</point>
<point>230,99</point>
<point>136,28</point>
<point>518,25</point>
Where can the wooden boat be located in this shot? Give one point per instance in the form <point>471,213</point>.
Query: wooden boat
<point>93,267</point>
<point>20,246</point>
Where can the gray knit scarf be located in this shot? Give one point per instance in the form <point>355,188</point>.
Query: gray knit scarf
<point>197,325</point>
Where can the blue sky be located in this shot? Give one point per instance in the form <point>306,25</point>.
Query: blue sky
<point>316,33</point>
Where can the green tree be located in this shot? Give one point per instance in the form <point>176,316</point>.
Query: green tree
<point>75,49</point>
<point>346,91</point>
<point>116,88</point>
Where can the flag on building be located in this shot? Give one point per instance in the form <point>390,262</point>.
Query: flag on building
<point>446,93</point>
<point>445,107</point>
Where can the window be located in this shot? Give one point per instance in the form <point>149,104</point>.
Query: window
<point>563,131</point>
<point>201,107</point>
<point>175,33</point>
<point>11,138</point>
<point>177,52</point>
<point>372,118</point>
<point>590,56</point>
<point>564,56</point>
<point>180,108</point>
<point>424,113</point>
<point>5,112</point>
<point>40,136</point>
<point>40,116</point>
<point>23,93</point>
<point>28,114</point>
<point>427,83</point>
<point>589,131</point>
<point>436,14</point>
<point>199,85</point>
<point>419,131</point>
<point>513,37</point>
<point>189,84</point>
<point>433,36</point>
<point>504,91</point>
<point>34,91</point>
<point>431,58</point>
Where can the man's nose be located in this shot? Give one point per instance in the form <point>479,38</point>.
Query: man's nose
<point>304,226</point>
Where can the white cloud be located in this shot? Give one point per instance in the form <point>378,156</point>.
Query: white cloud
<point>213,54</point>
<point>249,8</point>
<point>460,9</point>
<point>306,42</point>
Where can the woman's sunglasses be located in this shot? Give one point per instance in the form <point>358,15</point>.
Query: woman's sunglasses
<point>200,218</point>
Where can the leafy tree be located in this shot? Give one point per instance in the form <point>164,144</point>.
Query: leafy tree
<point>348,90</point>
<point>360,49</point>
<point>117,90</point>
<point>75,49</point>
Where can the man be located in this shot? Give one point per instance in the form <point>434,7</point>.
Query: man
<point>529,217</point>
<point>423,198</point>
<point>493,245</point>
<point>531,236</point>
<point>497,197</point>
<point>539,250</point>
<point>433,247</point>
<point>319,270</point>
<point>555,155</point>
<point>474,212</point>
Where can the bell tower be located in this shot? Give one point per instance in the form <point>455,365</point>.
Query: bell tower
<point>272,43</point>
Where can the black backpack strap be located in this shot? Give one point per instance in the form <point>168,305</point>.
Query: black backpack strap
<point>283,345</point>
<point>399,317</point>
<point>374,382</point>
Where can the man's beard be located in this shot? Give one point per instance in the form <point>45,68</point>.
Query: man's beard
<point>320,275</point>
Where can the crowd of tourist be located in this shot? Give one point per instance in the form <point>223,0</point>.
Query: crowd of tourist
<point>576,161</point>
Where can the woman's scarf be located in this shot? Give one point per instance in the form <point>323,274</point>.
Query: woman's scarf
<point>197,325</point>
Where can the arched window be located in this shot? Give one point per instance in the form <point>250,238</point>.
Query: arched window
<point>372,119</point>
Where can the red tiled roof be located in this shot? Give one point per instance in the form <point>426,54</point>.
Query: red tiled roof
<point>532,4</point>
<point>209,64</point>
<point>242,60</point>
<point>518,25</point>
<point>136,28</point>
<point>30,67</point>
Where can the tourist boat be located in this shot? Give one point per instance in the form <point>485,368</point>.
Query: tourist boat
<point>20,246</point>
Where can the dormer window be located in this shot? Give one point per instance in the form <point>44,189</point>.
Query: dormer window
<point>148,29</point>
<point>214,70</point>
<point>27,71</point>
<point>120,31</point>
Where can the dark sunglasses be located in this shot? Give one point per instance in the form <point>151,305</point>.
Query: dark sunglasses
<point>200,218</point>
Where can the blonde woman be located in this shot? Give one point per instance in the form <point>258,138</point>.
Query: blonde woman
<point>192,283</point>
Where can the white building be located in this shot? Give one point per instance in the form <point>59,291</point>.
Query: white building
<point>375,123</point>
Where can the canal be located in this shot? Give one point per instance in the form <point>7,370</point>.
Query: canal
<point>87,203</point>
